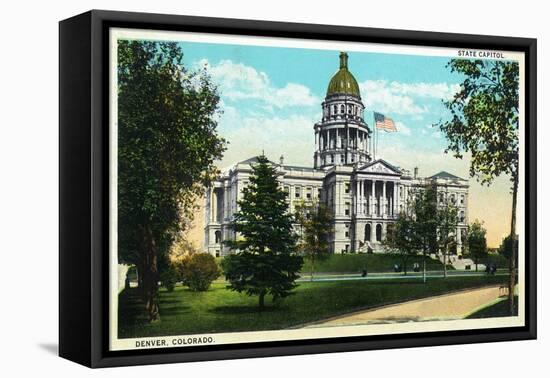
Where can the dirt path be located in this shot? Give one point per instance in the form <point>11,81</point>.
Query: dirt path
<point>444,307</point>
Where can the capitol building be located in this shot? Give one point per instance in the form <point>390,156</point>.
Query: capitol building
<point>364,194</point>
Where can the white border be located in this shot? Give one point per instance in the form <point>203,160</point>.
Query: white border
<point>311,333</point>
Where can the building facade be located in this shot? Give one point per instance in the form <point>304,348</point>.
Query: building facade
<point>365,195</point>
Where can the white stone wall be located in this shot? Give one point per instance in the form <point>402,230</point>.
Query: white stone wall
<point>122,272</point>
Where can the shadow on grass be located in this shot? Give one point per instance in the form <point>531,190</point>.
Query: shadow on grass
<point>399,282</point>
<point>239,310</point>
<point>175,310</point>
<point>496,310</point>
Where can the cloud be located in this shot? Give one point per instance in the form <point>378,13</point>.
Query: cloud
<point>377,95</point>
<point>443,91</point>
<point>402,128</point>
<point>238,81</point>
<point>291,136</point>
<point>402,98</point>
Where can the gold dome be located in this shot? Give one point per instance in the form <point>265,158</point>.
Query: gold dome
<point>343,81</point>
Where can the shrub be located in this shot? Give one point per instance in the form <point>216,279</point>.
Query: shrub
<point>199,270</point>
<point>169,277</point>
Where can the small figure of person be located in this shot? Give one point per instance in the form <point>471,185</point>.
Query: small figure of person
<point>364,273</point>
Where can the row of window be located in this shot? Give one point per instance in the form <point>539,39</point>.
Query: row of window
<point>341,109</point>
<point>452,198</point>
<point>299,191</point>
<point>331,159</point>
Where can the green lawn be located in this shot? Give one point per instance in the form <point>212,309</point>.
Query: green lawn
<point>374,263</point>
<point>496,310</point>
<point>221,310</point>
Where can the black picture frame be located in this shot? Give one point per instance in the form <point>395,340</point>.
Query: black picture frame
<point>84,194</point>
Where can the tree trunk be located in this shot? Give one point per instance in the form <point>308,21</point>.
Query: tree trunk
<point>312,267</point>
<point>139,274</point>
<point>261,300</point>
<point>424,269</point>
<point>405,267</point>
<point>445,263</point>
<point>513,253</point>
<point>150,276</point>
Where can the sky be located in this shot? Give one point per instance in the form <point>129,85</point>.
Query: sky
<point>271,97</point>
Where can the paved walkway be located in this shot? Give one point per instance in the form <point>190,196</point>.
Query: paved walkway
<point>444,307</point>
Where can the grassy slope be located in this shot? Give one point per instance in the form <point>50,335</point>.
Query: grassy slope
<point>353,263</point>
<point>221,310</point>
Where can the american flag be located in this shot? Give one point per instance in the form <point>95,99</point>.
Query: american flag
<point>384,123</point>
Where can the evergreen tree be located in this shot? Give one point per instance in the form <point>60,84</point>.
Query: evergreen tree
<point>265,262</point>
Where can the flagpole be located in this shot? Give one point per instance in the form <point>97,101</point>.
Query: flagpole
<point>374,137</point>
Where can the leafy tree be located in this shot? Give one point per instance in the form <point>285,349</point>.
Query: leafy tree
<point>477,242</point>
<point>167,145</point>
<point>199,270</point>
<point>447,223</point>
<point>265,261</point>
<point>426,223</point>
<point>505,248</point>
<point>403,238</point>
<point>485,122</point>
<point>315,224</point>
<point>168,274</point>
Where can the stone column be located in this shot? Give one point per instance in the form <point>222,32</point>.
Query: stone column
<point>208,214</point>
<point>215,205</point>
<point>372,197</point>
<point>395,198</point>
<point>359,199</point>
<point>363,198</point>
<point>317,141</point>
<point>357,196</point>
<point>383,199</point>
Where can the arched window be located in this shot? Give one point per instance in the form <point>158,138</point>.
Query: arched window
<point>367,232</point>
<point>378,232</point>
<point>218,236</point>
<point>334,109</point>
<point>342,109</point>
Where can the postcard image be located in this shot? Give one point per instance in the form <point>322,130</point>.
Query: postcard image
<point>271,189</point>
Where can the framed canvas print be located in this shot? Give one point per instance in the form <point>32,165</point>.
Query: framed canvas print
<point>233,188</point>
